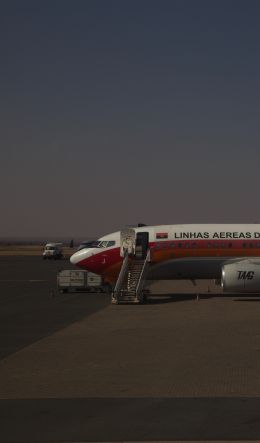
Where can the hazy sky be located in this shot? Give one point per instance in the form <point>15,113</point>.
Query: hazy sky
<point>116,112</point>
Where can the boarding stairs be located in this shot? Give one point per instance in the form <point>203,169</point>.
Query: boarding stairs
<point>131,280</point>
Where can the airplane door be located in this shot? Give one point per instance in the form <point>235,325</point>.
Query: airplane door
<point>142,244</point>
<point>127,242</point>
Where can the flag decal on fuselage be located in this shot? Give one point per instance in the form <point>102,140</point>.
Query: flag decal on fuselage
<point>162,235</point>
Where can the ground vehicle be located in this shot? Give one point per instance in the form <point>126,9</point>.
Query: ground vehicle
<point>52,250</point>
<point>72,280</point>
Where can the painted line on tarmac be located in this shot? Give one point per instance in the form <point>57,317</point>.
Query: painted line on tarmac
<point>22,281</point>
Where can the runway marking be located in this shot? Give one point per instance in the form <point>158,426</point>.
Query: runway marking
<point>22,281</point>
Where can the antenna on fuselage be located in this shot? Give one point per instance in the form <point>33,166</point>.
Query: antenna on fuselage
<point>139,225</point>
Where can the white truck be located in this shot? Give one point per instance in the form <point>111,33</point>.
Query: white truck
<point>71,280</point>
<point>52,251</point>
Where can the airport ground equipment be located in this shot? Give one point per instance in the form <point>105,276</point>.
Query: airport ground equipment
<point>131,280</point>
<point>70,280</point>
<point>52,251</point>
<point>135,251</point>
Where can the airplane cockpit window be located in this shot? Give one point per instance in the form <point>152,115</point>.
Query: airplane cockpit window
<point>111,243</point>
<point>89,244</point>
<point>103,244</point>
<point>106,244</point>
<point>97,244</point>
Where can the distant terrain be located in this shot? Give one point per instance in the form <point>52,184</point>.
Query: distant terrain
<point>34,246</point>
<point>40,240</point>
<point>29,249</point>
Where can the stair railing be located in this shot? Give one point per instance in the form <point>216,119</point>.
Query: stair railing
<point>140,283</point>
<point>120,278</point>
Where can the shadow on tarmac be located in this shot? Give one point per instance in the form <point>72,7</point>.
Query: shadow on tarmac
<point>25,320</point>
<point>129,419</point>
<point>173,298</point>
<point>30,306</point>
<point>248,299</point>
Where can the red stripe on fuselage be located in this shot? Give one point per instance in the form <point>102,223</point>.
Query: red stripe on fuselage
<point>108,261</point>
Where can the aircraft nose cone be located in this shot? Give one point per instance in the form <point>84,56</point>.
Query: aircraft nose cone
<point>73,259</point>
<point>77,257</point>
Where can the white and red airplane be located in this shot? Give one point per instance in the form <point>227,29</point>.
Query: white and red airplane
<point>230,252</point>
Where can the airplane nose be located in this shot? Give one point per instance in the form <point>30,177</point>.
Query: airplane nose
<point>78,257</point>
<point>73,259</point>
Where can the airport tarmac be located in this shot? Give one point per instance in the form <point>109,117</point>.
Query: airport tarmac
<point>75,368</point>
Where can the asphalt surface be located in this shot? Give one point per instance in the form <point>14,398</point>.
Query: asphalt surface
<point>30,305</point>
<point>75,368</point>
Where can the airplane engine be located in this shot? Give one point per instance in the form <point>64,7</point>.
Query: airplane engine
<point>242,277</point>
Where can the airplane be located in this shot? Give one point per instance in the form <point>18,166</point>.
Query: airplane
<point>229,253</point>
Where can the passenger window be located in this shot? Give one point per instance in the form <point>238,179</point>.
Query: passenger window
<point>209,245</point>
<point>194,245</point>
<point>230,245</point>
<point>179,245</point>
<point>251,245</point>
<point>244,245</point>
<point>187,245</point>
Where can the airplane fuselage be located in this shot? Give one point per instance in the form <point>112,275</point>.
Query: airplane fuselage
<point>176,251</point>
